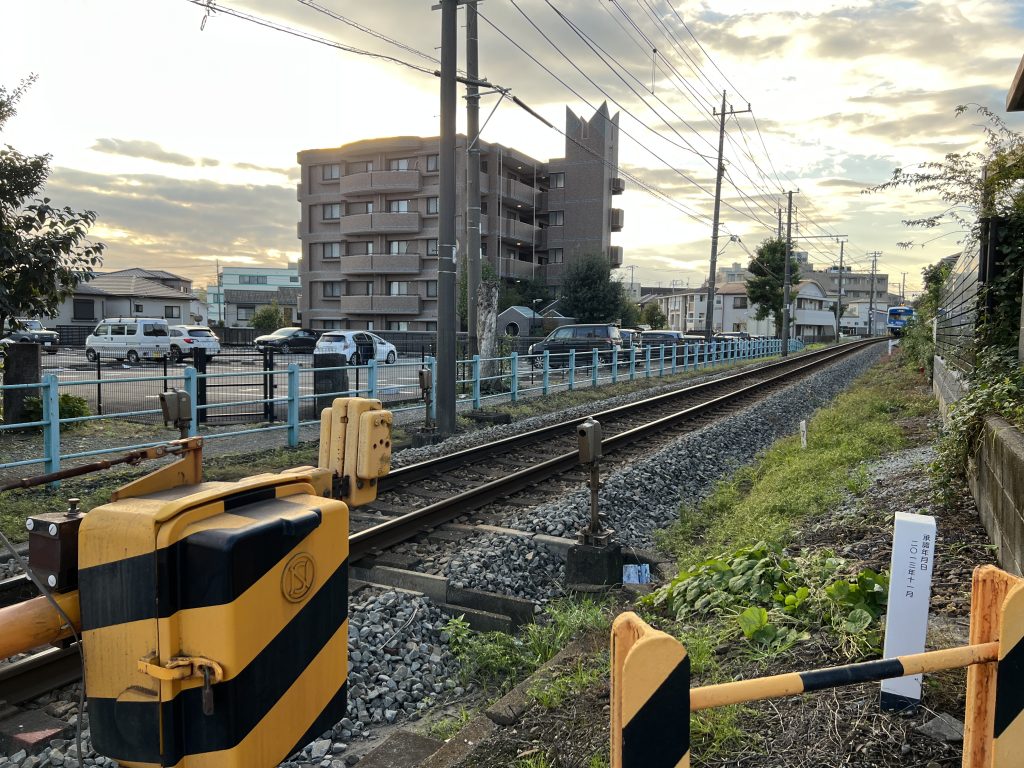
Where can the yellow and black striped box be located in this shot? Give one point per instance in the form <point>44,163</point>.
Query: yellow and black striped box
<point>215,622</point>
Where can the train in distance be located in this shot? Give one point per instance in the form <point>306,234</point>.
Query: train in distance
<point>897,319</point>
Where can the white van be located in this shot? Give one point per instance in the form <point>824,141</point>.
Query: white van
<point>129,338</point>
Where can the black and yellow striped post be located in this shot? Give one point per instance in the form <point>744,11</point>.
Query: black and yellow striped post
<point>650,696</point>
<point>1008,728</point>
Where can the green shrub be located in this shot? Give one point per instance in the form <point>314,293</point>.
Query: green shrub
<point>69,407</point>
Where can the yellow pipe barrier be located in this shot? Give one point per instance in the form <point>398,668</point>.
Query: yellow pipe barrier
<point>795,683</point>
<point>35,622</point>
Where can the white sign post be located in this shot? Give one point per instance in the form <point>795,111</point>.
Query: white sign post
<point>910,588</point>
<point>803,434</point>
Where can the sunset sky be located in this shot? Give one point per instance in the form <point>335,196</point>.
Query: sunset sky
<point>183,139</point>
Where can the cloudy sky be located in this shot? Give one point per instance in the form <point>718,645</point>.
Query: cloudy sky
<point>182,133</point>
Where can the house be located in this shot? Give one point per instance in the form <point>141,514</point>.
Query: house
<point>813,312</point>
<point>240,291</point>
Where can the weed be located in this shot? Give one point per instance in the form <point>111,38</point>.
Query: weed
<point>444,729</point>
<point>584,673</point>
<point>497,660</point>
<point>533,761</point>
<point>717,732</point>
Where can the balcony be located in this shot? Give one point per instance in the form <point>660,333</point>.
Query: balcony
<point>379,223</point>
<point>615,256</point>
<point>616,219</point>
<point>519,231</point>
<point>381,181</point>
<point>520,270</point>
<point>384,263</point>
<point>618,186</point>
<point>518,192</point>
<point>381,305</point>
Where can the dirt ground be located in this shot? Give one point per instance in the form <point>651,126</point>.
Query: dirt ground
<point>839,727</point>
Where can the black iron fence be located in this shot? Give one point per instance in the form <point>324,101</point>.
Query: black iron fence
<point>958,313</point>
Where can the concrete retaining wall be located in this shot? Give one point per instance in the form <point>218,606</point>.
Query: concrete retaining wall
<point>947,385</point>
<point>996,478</point>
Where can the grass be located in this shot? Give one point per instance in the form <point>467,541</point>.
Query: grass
<point>584,673</point>
<point>497,661</point>
<point>444,729</point>
<point>787,485</point>
<point>95,489</point>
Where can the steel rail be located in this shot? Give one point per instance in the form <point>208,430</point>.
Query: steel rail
<point>402,528</point>
<point>27,678</point>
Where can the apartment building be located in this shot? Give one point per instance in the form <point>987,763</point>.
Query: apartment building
<point>243,290</point>
<point>369,221</point>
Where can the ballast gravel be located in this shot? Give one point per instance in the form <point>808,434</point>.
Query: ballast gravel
<point>645,495</point>
<point>508,565</point>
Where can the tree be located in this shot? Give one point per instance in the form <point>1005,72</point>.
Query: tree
<point>588,292</point>
<point>268,319</point>
<point>524,293</point>
<point>768,268</point>
<point>44,250</point>
<point>982,196</point>
<point>653,316</point>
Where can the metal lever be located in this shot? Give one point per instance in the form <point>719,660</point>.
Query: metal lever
<point>207,691</point>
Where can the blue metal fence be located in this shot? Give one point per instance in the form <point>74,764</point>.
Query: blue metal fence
<point>489,380</point>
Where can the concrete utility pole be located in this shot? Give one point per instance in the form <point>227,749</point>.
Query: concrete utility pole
<point>839,293</point>
<point>903,289</point>
<point>709,321</point>
<point>473,266</point>
<point>445,384</point>
<point>786,276</point>
<point>871,301</point>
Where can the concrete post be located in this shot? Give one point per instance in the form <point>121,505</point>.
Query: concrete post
<point>23,365</point>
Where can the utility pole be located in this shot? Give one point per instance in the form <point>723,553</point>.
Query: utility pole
<point>780,222</point>
<point>445,384</point>
<point>786,276</point>
<point>473,266</point>
<point>871,302</point>
<point>839,294</point>
<point>903,289</point>
<point>709,320</point>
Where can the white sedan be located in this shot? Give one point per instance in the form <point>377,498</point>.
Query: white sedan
<point>357,347</point>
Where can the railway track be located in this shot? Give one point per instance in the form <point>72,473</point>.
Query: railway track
<point>447,487</point>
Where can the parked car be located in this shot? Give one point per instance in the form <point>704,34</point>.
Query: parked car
<point>185,339</point>
<point>659,338</point>
<point>583,338</point>
<point>357,347</point>
<point>288,340</point>
<point>631,337</point>
<point>129,338</point>
<point>743,335</point>
<point>34,332</point>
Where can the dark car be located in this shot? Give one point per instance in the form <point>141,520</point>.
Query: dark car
<point>33,332</point>
<point>659,338</point>
<point>631,337</point>
<point>288,340</point>
<point>583,338</point>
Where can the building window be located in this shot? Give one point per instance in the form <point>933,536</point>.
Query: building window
<point>330,172</point>
<point>400,164</point>
<point>332,211</point>
<point>430,326</point>
<point>398,288</point>
<point>361,248</point>
<point>252,279</point>
<point>398,206</point>
<point>293,278</point>
<point>398,246</point>
<point>556,218</point>
<point>332,289</point>
<point>361,288</point>
<point>432,247</point>
<point>556,255</point>
<point>333,325</point>
<point>330,250</point>
<point>365,207</point>
<point>557,180</point>
<point>84,309</point>
<point>172,312</point>
<point>432,162</point>
<point>398,325</point>
<point>364,167</point>
<point>139,308</point>
<point>245,313</point>
<point>739,302</point>
<point>431,205</point>
<point>431,289</point>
